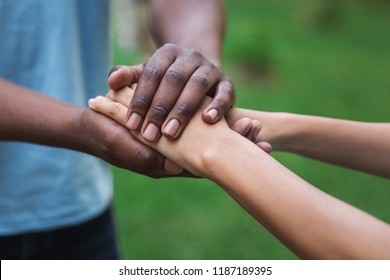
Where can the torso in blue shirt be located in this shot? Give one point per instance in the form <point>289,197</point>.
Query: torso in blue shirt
<point>59,48</point>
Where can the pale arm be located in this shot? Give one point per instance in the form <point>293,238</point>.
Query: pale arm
<point>308,221</point>
<point>311,223</point>
<point>357,145</point>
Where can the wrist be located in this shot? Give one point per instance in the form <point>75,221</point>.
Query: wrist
<point>218,147</point>
<point>288,130</point>
<point>198,146</point>
<point>84,127</point>
<point>278,129</point>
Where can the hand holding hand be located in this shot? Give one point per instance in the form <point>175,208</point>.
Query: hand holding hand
<point>115,108</point>
<point>171,87</point>
<point>113,143</point>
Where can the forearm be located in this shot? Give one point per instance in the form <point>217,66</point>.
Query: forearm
<point>195,24</point>
<point>358,145</point>
<point>29,116</point>
<point>311,223</point>
<point>308,221</point>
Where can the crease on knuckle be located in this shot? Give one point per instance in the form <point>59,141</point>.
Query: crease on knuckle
<point>194,53</point>
<point>183,110</point>
<point>151,73</point>
<point>140,102</point>
<point>201,81</point>
<point>175,78</point>
<point>158,112</point>
<point>221,105</point>
<point>228,88</point>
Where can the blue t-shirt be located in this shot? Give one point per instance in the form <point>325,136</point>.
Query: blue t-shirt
<point>59,48</point>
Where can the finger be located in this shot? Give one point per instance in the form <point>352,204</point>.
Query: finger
<point>254,131</point>
<point>117,112</point>
<point>172,167</point>
<point>150,162</point>
<point>122,76</point>
<point>265,146</point>
<point>166,96</point>
<point>201,81</point>
<point>242,126</point>
<point>223,100</point>
<point>122,96</point>
<point>109,108</point>
<point>148,83</point>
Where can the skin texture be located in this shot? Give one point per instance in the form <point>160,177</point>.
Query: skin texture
<point>356,145</point>
<point>171,84</point>
<point>29,116</point>
<point>313,224</point>
<point>24,117</point>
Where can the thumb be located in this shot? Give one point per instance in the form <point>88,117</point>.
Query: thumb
<point>122,76</point>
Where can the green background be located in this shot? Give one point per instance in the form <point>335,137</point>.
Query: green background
<point>324,57</point>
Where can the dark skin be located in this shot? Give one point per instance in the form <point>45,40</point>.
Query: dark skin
<point>29,116</point>
<point>173,82</point>
<point>24,117</point>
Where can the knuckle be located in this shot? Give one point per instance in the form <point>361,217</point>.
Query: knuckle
<point>221,104</point>
<point>151,73</point>
<point>214,69</point>
<point>140,102</point>
<point>168,47</point>
<point>228,88</point>
<point>183,110</point>
<point>175,78</point>
<point>158,112</point>
<point>201,81</point>
<point>194,53</point>
<point>146,159</point>
<point>114,109</point>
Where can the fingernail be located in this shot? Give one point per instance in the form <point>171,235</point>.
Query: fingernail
<point>134,121</point>
<point>151,132</point>
<point>256,130</point>
<point>212,113</point>
<point>113,69</point>
<point>255,133</point>
<point>90,102</point>
<point>172,127</point>
<point>172,167</point>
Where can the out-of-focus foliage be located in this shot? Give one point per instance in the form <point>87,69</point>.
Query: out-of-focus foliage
<point>321,57</point>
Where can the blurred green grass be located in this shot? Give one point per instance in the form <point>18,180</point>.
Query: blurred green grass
<point>324,57</point>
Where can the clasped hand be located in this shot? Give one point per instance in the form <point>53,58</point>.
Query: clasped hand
<point>115,107</point>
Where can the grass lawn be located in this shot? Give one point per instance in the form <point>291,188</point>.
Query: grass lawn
<point>311,57</point>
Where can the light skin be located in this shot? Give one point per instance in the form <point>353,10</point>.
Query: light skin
<point>313,224</point>
<point>357,145</point>
<point>173,82</point>
<point>30,116</point>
